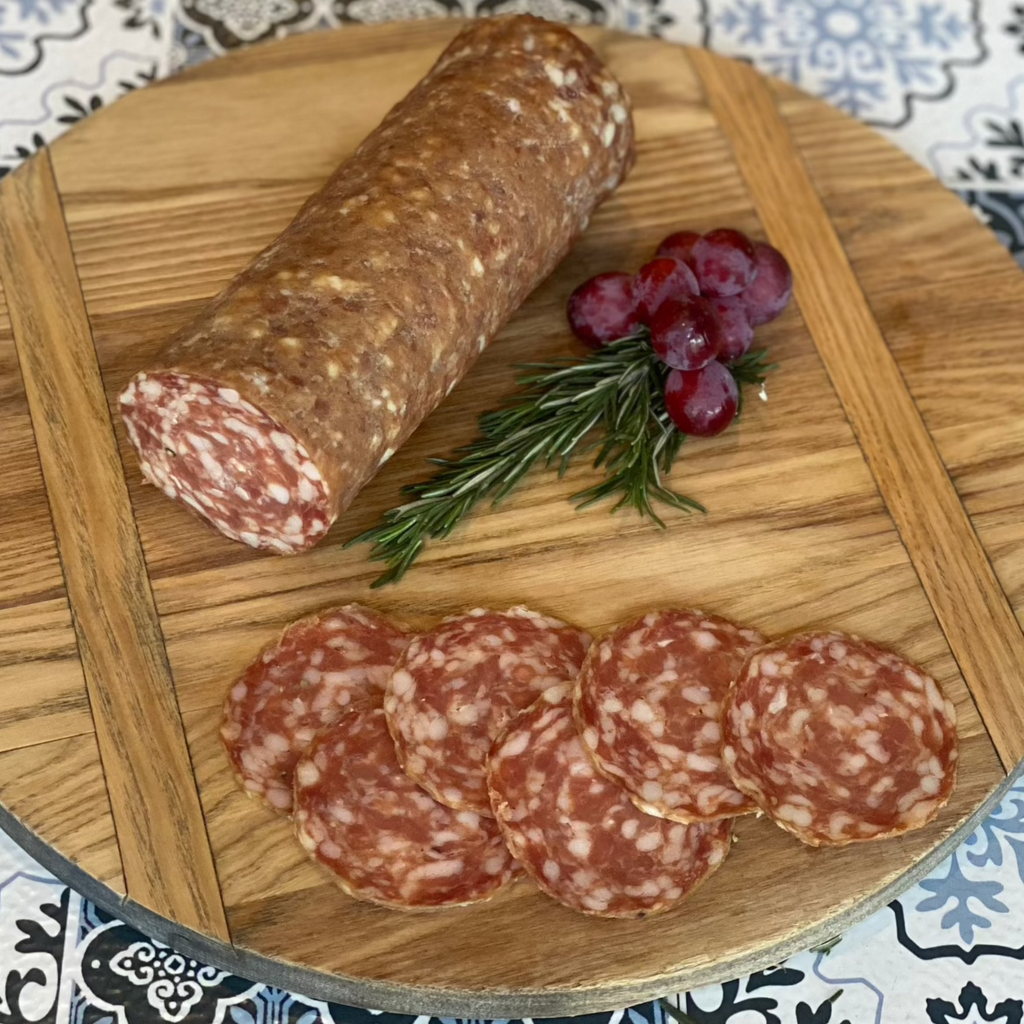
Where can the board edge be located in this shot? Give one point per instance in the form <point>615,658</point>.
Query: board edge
<point>501,1005</point>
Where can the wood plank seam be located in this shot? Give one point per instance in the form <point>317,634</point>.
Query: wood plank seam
<point>165,850</point>
<point>62,593</point>
<point>915,485</point>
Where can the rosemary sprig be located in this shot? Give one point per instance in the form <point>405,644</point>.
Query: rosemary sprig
<point>676,1013</point>
<point>615,393</point>
<point>827,946</point>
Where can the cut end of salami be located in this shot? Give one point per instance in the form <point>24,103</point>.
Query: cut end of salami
<point>228,461</point>
<point>581,838</point>
<point>648,703</point>
<point>458,686</point>
<point>839,740</point>
<point>384,839</point>
<point>321,668</point>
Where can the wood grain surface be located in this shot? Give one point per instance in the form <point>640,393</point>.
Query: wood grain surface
<point>951,563</point>
<point>166,856</point>
<point>878,490</point>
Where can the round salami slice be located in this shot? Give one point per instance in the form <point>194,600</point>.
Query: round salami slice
<point>838,740</point>
<point>458,686</point>
<point>381,836</point>
<point>649,702</point>
<point>321,667</point>
<point>578,834</point>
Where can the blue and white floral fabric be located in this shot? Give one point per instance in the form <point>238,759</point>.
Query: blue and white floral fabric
<point>944,79</point>
<point>949,950</point>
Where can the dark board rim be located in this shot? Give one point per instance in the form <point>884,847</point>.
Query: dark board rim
<point>497,1005</point>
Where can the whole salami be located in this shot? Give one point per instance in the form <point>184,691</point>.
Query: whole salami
<point>320,668</point>
<point>456,687</point>
<point>380,835</point>
<point>839,740</point>
<point>649,704</point>
<point>269,412</point>
<point>580,837</point>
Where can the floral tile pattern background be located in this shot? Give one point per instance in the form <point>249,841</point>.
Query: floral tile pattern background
<point>944,79</point>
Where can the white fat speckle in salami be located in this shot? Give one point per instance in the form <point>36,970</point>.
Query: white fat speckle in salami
<point>459,685</point>
<point>839,740</point>
<point>360,805</point>
<point>320,668</point>
<point>589,846</point>
<point>648,701</point>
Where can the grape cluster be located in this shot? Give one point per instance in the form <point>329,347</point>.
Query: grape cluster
<point>701,298</point>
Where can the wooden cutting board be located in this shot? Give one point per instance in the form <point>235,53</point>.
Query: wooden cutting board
<point>879,490</point>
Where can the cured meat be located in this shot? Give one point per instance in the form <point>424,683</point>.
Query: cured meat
<point>320,668</point>
<point>649,702</point>
<point>268,412</point>
<point>458,686</point>
<point>578,834</point>
<point>381,836</point>
<point>838,740</point>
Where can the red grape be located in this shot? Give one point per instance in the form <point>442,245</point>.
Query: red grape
<point>602,309</point>
<point>680,247</point>
<point>686,333</point>
<point>767,297</point>
<point>737,334</point>
<point>724,262</point>
<point>663,278</point>
<point>702,402</point>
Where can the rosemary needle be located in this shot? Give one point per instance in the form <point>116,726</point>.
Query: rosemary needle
<point>610,405</point>
<point>676,1012</point>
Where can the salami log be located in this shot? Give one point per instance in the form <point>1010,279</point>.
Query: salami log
<point>380,835</point>
<point>648,703</point>
<point>456,687</point>
<point>269,412</point>
<point>320,668</point>
<point>838,740</point>
<point>578,834</point>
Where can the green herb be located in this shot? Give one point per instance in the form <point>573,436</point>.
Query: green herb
<point>609,404</point>
<point>826,947</point>
<point>675,1013</point>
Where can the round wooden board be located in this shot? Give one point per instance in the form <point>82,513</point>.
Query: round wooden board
<point>878,490</point>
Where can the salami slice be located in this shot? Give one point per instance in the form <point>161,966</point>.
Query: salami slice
<point>578,834</point>
<point>648,703</point>
<point>321,667</point>
<point>269,411</point>
<point>458,686</point>
<point>839,740</point>
<point>380,835</point>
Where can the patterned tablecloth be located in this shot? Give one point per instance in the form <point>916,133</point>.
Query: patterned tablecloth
<point>943,79</point>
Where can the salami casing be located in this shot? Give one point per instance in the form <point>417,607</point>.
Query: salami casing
<point>380,835</point>
<point>320,668</point>
<point>269,412</point>
<point>649,704</point>
<point>456,687</point>
<point>578,834</point>
<point>839,740</point>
